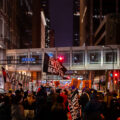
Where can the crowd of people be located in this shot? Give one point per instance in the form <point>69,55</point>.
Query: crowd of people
<point>49,103</point>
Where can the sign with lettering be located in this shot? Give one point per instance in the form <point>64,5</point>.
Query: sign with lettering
<point>53,66</point>
<point>28,59</point>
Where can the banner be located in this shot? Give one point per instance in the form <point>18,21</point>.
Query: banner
<point>57,83</point>
<point>53,66</point>
<point>78,82</point>
<point>87,83</point>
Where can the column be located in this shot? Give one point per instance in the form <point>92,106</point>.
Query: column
<point>84,22</point>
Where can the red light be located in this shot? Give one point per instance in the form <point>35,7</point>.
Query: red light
<point>115,81</point>
<point>60,58</point>
<point>115,74</point>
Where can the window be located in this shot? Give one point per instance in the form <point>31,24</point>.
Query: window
<point>22,58</point>
<point>78,58</point>
<point>10,60</point>
<point>66,57</point>
<point>36,58</point>
<point>94,57</point>
<point>109,58</point>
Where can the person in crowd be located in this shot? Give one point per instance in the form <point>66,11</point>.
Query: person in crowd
<point>73,101</point>
<point>114,107</point>
<point>5,108</point>
<point>41,105</point>
<point>118,108</point>
<point>10,95</point>
<point>58,111</point>
<point>17,109</point>
<point>107,98</point>
<point>51,99</point>
<point>29,106</point>
<point>64,94</point>
<point>93,109</point>
<point>84,99</point>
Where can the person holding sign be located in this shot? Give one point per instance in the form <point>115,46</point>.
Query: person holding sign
<point>73,101</point>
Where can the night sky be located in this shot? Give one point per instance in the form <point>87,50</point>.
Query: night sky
<point>61,15</point>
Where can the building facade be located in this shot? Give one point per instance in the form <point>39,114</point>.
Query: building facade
<point>9,29</point>
<point>49,33</point>
<point>76,25</point>
<point>92,13</point>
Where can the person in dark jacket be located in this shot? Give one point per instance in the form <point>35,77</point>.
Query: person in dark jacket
<point>17,109</point>
<point>58,111</point>
<point>93,109</point>
<point>5,111</point>
<point>41,105</point>
<point>114,107</point>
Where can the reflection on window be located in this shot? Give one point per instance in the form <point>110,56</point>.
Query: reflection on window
<point>78,58</point>
<point>109,58</point>
<point>94,57</point>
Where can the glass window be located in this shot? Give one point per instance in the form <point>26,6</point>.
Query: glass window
<point>66,57</point>
<point>94,57</point>
<point>108,56</point>
<point>78,58</point>
<point>35,58</point>
<point>22,58</point>
<point>10,59</point>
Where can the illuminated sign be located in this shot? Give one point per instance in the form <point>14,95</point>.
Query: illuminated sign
<point>28,59</point>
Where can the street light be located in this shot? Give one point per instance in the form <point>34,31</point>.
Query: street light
<point>112,60</point>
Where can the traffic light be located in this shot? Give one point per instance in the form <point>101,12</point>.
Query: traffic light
<point>61,59</point>
<point>115,78</point>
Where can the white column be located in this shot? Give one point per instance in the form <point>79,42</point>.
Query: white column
<point>85,58</point>
<point>118,57</point>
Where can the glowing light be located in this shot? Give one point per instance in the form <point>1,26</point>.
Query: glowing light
<point>61,58</point>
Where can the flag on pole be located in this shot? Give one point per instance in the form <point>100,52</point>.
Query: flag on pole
<point>52,65</point>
